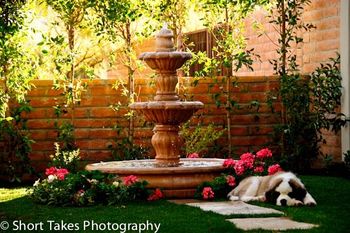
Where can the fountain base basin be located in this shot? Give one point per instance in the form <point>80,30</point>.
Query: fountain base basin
<point>175,182</point>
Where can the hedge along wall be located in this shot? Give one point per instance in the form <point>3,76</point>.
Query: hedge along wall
<point>95,118</point>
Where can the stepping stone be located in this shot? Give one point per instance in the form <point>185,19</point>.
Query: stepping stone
<point>273,224</point>
<point>233,207</point>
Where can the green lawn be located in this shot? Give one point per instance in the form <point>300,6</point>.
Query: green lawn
<point>332,212</point>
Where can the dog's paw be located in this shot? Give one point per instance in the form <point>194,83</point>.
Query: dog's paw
<point>310,203</point>
<point>297,203</point>
<point>233,198</point>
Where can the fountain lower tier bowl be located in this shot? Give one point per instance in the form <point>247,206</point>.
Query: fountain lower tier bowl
<point>167,112</point>
<point>175,182</point>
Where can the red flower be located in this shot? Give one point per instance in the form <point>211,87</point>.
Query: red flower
<point>229,163</point>
<point>61,173</point>
<point>51,171</point>
<point>259,169</point>
<point>231,181</point>
<point>193,156</point>
<point>274,169</point>
<point>130,180</point>
<point>207,193</point>
<point>248,160</point>
<point>156,195</point>
<point>239,167</point>
<point>264,153</point>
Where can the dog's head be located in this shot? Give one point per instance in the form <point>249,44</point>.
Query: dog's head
<point>285,192</point>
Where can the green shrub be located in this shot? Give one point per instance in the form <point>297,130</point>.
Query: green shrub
<point>86,188</point>
<point>199,139</point>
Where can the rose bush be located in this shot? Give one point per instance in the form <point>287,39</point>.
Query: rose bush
<point>260,163</point>
<point>84,188</point>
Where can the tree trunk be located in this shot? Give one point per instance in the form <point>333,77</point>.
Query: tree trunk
<point>130,80</point>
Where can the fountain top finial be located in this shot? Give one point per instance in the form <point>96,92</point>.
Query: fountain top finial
<point>164,40</point>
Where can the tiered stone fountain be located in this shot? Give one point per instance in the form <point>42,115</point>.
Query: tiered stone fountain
<point>177,177</point>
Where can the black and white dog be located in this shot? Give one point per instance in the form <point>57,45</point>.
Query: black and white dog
<point>282,188</point>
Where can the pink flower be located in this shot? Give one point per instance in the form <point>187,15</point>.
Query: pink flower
<point>229,163</point>
<point>207,193</point>
<point>274,169</point>
<point>248,160</point>
<point>130,180</point>
<point>231,181</point>
<point>259,169</point>
<point>193,156</point>
<point>61,173</point>
<point>264,153</point>
<point>51,171</point>
<point>156,195</point>
<point>239,167</point>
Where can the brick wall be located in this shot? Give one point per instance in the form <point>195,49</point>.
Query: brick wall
<point>319,45</point>
<point>95,119</point>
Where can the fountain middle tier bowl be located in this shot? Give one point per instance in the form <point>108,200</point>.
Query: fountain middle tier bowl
<point>167,112</point>
<point>178,182</point>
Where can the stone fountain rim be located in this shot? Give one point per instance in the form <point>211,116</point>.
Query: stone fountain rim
<point>176,105</point>
<point>156,170</point>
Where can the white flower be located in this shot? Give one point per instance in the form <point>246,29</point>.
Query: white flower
<point>116,184</point>
<point>51,178</point>
<point>93,181</point>
<point>36,183</point>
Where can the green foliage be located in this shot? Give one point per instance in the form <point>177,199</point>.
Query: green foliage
<point>65,158</point>
<point>16,145</point>
<point>198,140</point>
<point>124,149</point>
<point>326,91</point>
<point>86,188</point>
<point>308,103</point>
<point>17,69</point>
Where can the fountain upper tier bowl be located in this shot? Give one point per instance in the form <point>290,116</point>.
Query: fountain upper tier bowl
<point>167,112</point>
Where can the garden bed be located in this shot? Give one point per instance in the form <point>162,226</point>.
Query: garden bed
<point>331,213</point>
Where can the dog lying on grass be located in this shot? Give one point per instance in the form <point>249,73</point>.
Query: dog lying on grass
<point>282,189</point>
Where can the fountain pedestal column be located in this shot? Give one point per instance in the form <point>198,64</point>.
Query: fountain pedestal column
<point>167,144</point>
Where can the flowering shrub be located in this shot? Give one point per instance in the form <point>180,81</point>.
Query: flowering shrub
<point>248,164</point>
<point>84,188</point>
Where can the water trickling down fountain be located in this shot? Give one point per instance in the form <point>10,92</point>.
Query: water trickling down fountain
<point>177,177</point>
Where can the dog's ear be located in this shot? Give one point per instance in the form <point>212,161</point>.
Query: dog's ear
<point>298,191</point>
<point>271,195</point>
<point>275,183</point>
